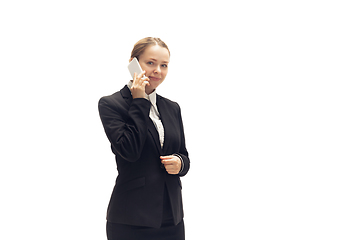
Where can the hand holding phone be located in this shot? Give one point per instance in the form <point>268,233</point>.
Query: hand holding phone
<point>140,81</point>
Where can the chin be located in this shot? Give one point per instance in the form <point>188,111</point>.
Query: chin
<point>154,86</point>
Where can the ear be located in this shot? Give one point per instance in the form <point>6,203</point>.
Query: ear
<point>131,59</point>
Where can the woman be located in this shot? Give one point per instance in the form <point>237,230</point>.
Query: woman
<point>147,137</point>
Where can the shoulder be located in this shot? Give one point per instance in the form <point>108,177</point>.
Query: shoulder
<point>116,103</point>
<point>168,102</point>
<point>117,98</point>
<point>110,98</point>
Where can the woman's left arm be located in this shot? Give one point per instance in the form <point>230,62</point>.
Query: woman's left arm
<point>178,163</point>
<point>183,153</point>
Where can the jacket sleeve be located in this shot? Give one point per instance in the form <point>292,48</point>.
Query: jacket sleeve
<point>125,127</point>
<point>183,153</point>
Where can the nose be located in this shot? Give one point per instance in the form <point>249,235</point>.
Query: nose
<point>157,69</point>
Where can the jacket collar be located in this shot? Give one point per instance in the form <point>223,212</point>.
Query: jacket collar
<point>126,94</point>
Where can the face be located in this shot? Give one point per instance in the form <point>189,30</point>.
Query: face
<point>154,61</point>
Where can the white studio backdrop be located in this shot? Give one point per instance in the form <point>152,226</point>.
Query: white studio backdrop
<point>269,92</point>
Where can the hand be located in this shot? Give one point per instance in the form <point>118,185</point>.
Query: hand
<point>139,84</point>
<point>171,163</point>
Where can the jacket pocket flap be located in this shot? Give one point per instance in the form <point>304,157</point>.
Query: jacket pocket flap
<point>132,184</point>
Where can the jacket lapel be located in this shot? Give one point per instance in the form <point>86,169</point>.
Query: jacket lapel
<point>164,116</point>
<point>155,135</point>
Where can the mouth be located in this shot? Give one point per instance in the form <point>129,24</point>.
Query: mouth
<point>154,79</point>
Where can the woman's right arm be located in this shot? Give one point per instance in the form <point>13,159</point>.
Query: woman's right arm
<point>125,127</point>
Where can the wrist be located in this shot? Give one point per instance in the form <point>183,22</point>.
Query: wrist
<point>181,162</point>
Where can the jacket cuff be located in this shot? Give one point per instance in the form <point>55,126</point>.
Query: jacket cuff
<point>182,162</point>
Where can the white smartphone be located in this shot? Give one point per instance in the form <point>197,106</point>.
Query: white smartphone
<point>134,67</point>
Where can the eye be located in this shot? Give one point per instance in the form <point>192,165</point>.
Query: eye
<point>150,63</point>
<point>164,65</point>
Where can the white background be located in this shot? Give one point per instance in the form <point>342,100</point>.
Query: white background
<point>269,92</point>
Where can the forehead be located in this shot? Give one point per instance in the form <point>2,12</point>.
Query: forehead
<point>157,52</point>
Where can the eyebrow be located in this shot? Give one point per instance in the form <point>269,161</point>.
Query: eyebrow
<point>156,60</point>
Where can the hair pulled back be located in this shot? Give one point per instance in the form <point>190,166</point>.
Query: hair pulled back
<point>142,44</point>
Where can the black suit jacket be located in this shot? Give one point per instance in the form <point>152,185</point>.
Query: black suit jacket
<point>137,198</point>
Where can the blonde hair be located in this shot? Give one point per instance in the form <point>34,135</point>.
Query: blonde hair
<point>142,44</point>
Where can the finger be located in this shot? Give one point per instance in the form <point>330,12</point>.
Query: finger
<point>167,157</point>
<point>146,82</point>
<point>170,169</point>
<point>142,74</point>
<point>167,162</point>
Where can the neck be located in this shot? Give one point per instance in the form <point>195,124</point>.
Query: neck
<point>149,91</point>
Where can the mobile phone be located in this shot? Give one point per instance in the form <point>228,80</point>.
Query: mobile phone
<point>134,67</point>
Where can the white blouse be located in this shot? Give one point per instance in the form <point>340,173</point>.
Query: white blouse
<point>154,114</point>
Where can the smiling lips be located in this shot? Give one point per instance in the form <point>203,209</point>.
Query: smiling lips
<point>154,79</point>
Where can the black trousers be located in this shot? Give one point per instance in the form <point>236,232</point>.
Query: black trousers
<point>167,231</point>
<point>117,231</point>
